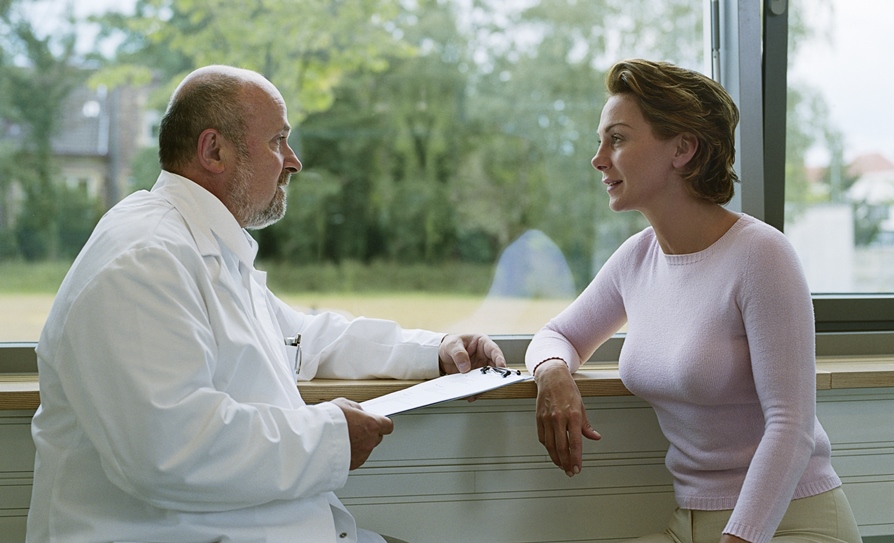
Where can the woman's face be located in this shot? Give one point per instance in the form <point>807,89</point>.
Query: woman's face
<point>636,165</point>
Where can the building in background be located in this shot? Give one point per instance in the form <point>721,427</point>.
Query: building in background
<point>101,133</point>
<point>99,136</point>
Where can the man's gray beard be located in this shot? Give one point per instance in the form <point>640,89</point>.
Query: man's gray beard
<point>255,219</point>
<point>270,214</point>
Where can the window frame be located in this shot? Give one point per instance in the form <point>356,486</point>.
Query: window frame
<point>833,312</point>
<point>753,41</point>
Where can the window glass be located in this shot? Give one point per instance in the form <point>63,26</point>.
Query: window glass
<point>840,150</point>
<point>446,143</point>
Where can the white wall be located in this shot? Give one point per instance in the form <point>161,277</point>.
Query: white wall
<point>476,472</point>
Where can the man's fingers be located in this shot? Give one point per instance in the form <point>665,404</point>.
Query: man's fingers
<point>365,430</point>
<point>386,425</point>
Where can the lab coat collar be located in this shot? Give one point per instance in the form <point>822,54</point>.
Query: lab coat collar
<point>209,220</point>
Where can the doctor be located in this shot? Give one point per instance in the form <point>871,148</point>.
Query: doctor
<point>169,410</point>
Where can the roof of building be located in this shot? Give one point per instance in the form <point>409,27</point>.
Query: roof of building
<point>84,127</point>
<point>869,163</point>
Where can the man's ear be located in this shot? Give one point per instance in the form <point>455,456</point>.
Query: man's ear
<point>687,145</point>
<point>210,150</point>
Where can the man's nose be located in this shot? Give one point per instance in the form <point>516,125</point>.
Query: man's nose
<point>292,164</point>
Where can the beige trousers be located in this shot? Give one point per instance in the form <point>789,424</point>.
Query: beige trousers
<point>824,518</point>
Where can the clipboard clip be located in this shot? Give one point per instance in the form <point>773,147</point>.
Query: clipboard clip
<point>505,372</point>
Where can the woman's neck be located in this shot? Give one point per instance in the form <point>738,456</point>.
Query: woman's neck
<point>691,227</point>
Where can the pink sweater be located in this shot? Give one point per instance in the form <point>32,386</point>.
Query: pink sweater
<point>721,344</point>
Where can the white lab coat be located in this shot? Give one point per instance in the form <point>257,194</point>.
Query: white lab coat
<point>169,409</point>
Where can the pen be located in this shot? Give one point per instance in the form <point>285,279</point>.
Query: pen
<point>295,341</point>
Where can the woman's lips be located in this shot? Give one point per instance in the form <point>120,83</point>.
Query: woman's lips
<point>611,183</point>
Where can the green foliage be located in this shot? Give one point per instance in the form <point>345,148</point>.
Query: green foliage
<point>32,277</point>
<point>20,276</point>
<point>145,168</point>
<point>75,216</point>
<point>457,151</point>
<point>307,47</point>
<point>37,75</point>
<point>868,221</point>
<point>379,277</point>
<point>428,137</point>
<point>302,235</point>
<point>808,120</point>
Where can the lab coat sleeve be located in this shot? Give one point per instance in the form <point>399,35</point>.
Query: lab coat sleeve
<point>335,347</point>
<point>138,361</point>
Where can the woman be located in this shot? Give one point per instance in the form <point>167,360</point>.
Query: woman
<point>720,334</point>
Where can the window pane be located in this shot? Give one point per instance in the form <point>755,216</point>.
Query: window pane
<point>446,148</point>
<point>840,151</point>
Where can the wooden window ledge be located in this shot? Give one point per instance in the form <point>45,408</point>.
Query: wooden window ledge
<point>20,391</point>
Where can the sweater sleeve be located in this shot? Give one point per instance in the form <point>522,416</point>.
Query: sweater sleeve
<point>778,316</point>
<point>575,334</point>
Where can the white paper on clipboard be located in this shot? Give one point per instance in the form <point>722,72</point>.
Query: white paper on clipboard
<point>442,389</point>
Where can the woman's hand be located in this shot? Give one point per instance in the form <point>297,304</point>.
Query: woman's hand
<point>561,416</point>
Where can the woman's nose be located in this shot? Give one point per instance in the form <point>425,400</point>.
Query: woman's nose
<point>599,162</point>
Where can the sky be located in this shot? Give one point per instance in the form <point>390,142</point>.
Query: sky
<point>855,75</point>
<point>45,14</point>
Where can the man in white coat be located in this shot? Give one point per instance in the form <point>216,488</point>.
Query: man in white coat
<point>169,407</point>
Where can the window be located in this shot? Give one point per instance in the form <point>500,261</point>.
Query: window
<point>840,201</point>
<point>446,145</point>
<point>839,177</point>
<point>447,179</point>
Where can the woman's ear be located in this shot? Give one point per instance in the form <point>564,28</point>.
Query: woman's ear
<point>687,145</point>
<point>210,150</point>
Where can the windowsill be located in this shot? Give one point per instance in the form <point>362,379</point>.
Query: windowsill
<point>19,391</point>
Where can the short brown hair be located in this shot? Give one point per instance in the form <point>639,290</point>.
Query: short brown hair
<point>211,100</point>
<point>674,101</point>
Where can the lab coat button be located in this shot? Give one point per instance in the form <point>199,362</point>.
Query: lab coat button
<point>343,535</point>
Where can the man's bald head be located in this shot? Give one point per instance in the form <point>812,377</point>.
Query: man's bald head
<point>209,97</point>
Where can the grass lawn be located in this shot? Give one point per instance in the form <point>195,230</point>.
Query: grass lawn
<point>22,315</point>
<point>444,297</point>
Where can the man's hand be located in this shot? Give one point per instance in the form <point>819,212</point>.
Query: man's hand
<point>461,353</point>
<point>561,416</point>
<point>365,430</point>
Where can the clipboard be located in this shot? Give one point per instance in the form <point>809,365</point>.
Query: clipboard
<point>443,389</point>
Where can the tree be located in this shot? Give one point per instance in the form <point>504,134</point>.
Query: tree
<point>485,133</point>
<point>540,86</point>
<point>307,47</point>
<point>37,76</point>
<point>378,162</point>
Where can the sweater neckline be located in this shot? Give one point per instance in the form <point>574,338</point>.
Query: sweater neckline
<point>723,241</point>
